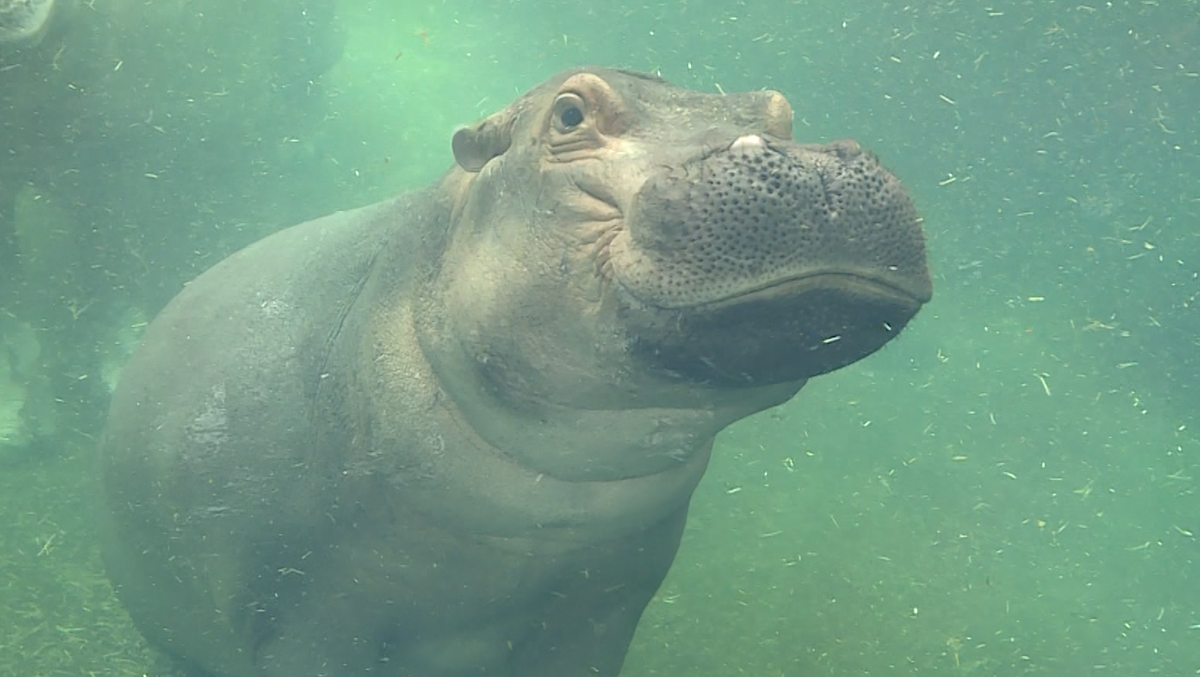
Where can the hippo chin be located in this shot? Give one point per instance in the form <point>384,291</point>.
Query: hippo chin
<point>456,433</point>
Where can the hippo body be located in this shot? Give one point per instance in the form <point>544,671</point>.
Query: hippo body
<point>456,433</point>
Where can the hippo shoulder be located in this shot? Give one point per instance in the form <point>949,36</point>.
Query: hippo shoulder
<point>244,345</point>
<point>288,284</point>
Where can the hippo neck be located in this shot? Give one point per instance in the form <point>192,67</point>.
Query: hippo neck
<point>440,453</point>
<point>611,439</point>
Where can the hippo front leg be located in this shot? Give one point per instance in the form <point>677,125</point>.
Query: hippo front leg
<point>303,647</point>
<point>597,650</point>
<point>571,613</point>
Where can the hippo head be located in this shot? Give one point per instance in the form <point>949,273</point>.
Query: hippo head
<point>616,233</point>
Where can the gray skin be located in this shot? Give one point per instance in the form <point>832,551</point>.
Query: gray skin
<point>456,433</point>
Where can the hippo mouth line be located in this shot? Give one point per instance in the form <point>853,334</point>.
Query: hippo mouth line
<point>854,283</point>
<point>787,330</point>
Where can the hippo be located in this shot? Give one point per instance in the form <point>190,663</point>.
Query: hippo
<point>457,432</point>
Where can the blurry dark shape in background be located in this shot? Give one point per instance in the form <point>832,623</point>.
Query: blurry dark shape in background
<point>125,129</point>
<point>23,23</point>
<point>310,43</point>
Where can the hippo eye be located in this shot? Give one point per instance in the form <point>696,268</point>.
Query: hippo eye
<point>570,117</point>
<point>569,112</point>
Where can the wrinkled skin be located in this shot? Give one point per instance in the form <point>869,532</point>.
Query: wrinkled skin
<point>456,433</point>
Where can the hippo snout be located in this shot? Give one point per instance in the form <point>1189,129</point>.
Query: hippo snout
<point>774,253</point>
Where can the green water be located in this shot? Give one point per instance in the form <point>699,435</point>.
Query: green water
<point>1007,489</point>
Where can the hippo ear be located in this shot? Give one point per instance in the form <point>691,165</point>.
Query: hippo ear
<point>474,146</point>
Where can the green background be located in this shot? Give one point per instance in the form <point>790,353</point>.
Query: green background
<point>1008,489</point>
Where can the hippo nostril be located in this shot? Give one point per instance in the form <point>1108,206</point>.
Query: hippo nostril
<point>846,149</point>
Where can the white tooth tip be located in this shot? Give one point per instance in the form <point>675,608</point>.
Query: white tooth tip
<point>746,142</point>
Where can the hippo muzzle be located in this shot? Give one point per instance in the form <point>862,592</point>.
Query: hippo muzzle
<point>768,261</point>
